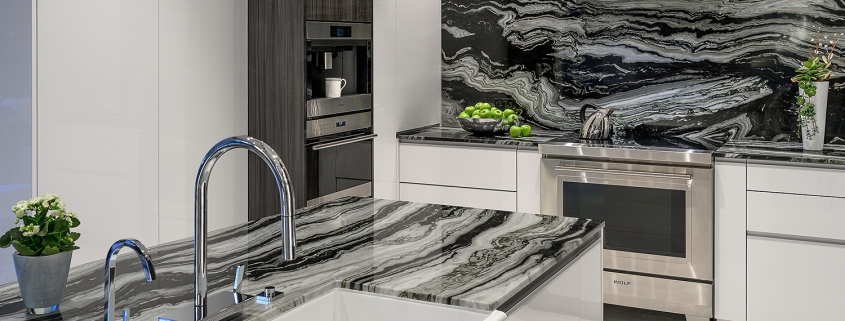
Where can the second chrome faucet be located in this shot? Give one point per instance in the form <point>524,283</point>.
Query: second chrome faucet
<point>111,272</point>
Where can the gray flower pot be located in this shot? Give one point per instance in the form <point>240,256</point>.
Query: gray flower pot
<point>42,280</point>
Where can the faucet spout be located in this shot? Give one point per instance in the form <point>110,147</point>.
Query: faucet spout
<point>111,270</point>
<point>283,183</point>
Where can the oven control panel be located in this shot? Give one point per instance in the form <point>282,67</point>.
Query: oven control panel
<point>338,124</point>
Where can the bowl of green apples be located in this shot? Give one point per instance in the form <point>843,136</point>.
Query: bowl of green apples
<point>485,119</point>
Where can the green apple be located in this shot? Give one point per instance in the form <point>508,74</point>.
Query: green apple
<point>497,114</point>
<point>515,131</point>
<point>463,115</point>
<point>486,113</point>
<point>487,106</point>
<point>508,112</point>
<point>476,116</point>
<point>469,110</point>
<point>526,130</point>
<point>479,104</point>
<point>507,121</point>
<point>478,112</point>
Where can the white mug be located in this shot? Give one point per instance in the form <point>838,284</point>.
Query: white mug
<point>333,87</point>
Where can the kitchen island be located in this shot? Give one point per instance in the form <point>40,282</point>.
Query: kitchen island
<point>458,256</point>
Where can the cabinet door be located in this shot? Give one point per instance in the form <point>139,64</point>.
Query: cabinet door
<point>729,272</point>
<point>794,280</point>
<point>528,164</point>
<point>457,196</point>
<point>339,10</point>
<point>473,167</point>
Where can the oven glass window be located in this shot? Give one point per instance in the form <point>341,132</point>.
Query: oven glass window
<point>637,219</point>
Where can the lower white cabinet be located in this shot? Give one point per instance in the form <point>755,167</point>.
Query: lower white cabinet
<point>458,196</point>
<point>528,171</point>
<point>794,280</point>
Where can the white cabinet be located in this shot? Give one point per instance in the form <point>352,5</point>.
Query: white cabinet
<point>458,196</point>
<point>574,294</point>
<point>796,180</point>
<point>98,117</point>
<point>528,171</point>
<point>797,215</point>
<point>792,280</point>
<point>729,247</point>
<point>460,166</point>
<point>473,176</point>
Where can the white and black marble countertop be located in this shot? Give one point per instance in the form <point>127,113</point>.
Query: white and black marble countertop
<point>452,255</point>
<point>437,133</point>
<point>793,152</point>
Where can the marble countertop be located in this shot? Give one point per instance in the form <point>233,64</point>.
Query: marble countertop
<point>793,152</point>
<point>451,255</point>
<point>437,133</point>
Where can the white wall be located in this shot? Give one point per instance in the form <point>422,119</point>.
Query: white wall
<point>131,94</point>
<point>15,117</point>
<point>406,80</point>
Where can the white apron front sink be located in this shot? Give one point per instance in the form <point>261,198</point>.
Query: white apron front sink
<point>346,305</point>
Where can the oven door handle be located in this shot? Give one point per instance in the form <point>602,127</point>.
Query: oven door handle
<point>622,172</point>
<point>344,142</point>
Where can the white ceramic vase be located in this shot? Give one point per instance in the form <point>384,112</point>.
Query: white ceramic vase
<point>815,141</point>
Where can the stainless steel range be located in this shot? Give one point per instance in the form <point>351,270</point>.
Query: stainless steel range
<point>657,203</point>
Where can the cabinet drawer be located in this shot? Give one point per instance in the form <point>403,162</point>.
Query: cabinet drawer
<point>458,166</point>
<point>802,215</point>
<point>798,180</point>
<point>457,196</point>
<point>793,280</point>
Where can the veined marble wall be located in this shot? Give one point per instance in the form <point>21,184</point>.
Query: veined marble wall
<point>699,70</point>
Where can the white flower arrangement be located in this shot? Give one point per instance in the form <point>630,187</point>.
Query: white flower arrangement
<point>46,231</point>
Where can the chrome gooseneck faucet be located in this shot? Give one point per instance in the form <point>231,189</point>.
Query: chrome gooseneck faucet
<point>201,209</point>
<point>111,271</point>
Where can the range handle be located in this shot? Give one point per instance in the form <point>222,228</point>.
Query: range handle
<point>344,142</point>
<point>622,172</point>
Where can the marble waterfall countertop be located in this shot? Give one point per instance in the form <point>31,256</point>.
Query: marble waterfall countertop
<point>459,256</point>
<point>793,152</point>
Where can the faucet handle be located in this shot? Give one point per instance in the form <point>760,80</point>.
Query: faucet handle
<point>239,278</point>
<point>126,314</point>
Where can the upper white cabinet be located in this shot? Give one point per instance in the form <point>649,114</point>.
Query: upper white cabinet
<point>460,166</point>
<point>482,177</point>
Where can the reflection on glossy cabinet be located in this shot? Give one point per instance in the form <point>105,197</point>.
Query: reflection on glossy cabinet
<point>339,10</point>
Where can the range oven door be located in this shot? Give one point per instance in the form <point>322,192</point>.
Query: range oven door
<point>339,167</point>
<point>659,219</point>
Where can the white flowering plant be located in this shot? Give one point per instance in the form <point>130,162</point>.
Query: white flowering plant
<point>45,227</point>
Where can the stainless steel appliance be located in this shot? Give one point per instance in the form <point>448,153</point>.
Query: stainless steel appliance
<point>598,126</point>
<point>339,130</point>
<point>658,207</point>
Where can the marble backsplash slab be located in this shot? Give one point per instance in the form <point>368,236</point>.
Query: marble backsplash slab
<point>703,71</point>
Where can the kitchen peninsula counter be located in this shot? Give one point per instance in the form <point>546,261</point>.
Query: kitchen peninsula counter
<point>451,255</point>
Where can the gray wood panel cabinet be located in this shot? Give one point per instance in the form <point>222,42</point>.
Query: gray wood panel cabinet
<point>276,74</point>
<point>339,10</point>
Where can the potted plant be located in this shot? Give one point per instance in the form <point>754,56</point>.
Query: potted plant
<point>812,78</point>
<point>43,244</point>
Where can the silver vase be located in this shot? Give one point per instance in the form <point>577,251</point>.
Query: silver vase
<point>42,280</point>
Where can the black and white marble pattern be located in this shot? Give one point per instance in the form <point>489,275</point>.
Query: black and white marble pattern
<point>790,152</point>
<point>709,70</point>
<point>437,133</point>
<point>452,255</point>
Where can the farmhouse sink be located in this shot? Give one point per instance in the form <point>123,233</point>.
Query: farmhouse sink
<point>347,305</point>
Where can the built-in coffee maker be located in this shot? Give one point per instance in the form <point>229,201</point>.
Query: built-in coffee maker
<point>339,118</point>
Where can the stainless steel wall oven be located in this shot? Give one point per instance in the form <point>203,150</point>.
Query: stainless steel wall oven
<point>658,209</point>
<point>339,130</point>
